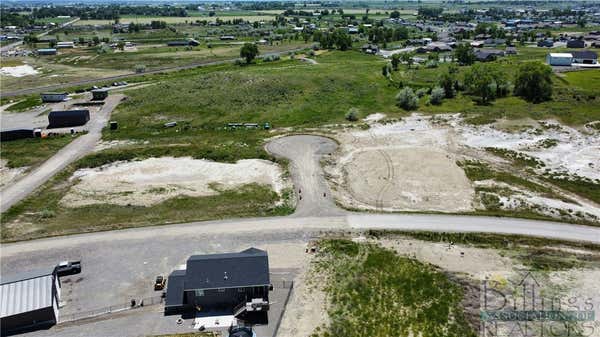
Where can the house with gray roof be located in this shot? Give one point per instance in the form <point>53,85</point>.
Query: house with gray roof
<point>221,283</point>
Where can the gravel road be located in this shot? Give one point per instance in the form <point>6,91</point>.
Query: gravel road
<point>304,153</point>
<point>79,147</point>
<point>125,261</point>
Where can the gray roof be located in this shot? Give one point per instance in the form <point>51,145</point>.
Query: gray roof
<point>175,285</point>
<point>585,54</point>
<point>26,292</point>
<point>247,268</point>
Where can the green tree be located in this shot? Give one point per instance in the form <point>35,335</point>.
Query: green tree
<point>249,51</point>
<point>448,83</point>
<point>407,99</point>
<point>533,82</point>
<point>395,15</point>
<point>342,40</point>
<point>407,58</point>
<point>464,54</point>
<point>437,96</point>
<point>395,61</point>
<point>486,82</point>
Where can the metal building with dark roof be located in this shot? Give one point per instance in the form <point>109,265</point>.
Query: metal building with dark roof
<point>219,282</point>
<point>29,300</point>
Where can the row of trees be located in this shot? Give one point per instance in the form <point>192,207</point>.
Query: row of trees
<point>339,39</point>
<point>109,12</point>
<point>486,82</point>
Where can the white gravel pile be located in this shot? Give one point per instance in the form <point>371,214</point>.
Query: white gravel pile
<point>18,71</point>
<point>151,181</point>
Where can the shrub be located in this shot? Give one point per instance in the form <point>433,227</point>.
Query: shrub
<point>431,64</point>
<point>422,92</point>
<point>352,115</point>
<point>140,68</point>
<point>407,99</point>
<point>437,96</point>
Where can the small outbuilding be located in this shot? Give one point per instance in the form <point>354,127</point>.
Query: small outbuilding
<point>29,300</point>
<point>559,59</point>
<point>46,51</point>
<point>68,118</point>
<point>65,44</point>
<point>99,94</point>
<point>545,43</point>
<point>576,43</point>
<point>53,97</point>
<point>220,283</point>
<point>486,55</point>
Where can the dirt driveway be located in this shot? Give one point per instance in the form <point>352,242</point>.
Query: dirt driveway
<point>75,150</point>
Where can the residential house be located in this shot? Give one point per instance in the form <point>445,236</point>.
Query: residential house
<point>585,57</point>
<point>221,283</point>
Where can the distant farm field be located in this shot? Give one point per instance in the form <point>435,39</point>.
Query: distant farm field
<point>173,20</point>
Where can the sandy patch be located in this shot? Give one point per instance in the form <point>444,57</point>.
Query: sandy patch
<point>307,307</point>
<point>407,166</point>
<point>104,145</point>
<point>410,178</point>
<point>410,165</point>
<point>8,175</point>
<point>376,117</point>
<point>476,263</point>
<point>575,152</point>
<point>18,71</point>
<point>151,181</point>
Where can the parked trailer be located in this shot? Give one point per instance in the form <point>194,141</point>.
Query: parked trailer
<point>53,97</point>
<point>15,134</point>
<point>68,118</point>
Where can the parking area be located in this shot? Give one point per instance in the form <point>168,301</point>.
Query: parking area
<point>116,272</point>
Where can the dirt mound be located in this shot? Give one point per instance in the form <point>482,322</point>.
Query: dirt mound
<point>154,180</point>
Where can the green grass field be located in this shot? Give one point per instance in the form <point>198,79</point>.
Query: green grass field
<point>535,253</point>
<point>374,292</point>
<point>587,80</point>
<point>32,152</point>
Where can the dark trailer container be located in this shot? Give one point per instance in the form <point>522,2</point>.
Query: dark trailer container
<point>15,134</point>
<point>99,94</point>
<point>67,118</point>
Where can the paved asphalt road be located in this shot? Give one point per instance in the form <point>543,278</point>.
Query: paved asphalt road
<point>125,76</point>
<point>79,147</point>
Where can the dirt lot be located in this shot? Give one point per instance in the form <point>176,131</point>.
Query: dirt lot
<point>151,181</point>
<point>407,165</point>
<point>412,165</point>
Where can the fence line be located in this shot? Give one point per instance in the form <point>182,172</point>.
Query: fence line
<point>111,309</point>
<point>280,284</point>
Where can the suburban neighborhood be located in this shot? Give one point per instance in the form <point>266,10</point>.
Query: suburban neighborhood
<point>299,168</point>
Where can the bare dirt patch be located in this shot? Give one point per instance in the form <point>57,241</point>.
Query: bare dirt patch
<point>408,166</point>
<point>154,180</point>
<point>412,164</point>
<point>307,307</point>
<point>8,175</point>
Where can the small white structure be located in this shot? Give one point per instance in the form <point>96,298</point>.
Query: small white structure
<point>65,44</point>
<point>559,59</point>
